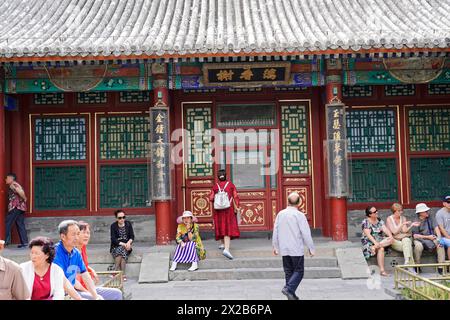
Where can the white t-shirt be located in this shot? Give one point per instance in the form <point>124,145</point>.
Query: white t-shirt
<point>443,218</point>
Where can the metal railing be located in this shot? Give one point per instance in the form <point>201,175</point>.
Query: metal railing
<point>114,279</point>
<point>424,288</point>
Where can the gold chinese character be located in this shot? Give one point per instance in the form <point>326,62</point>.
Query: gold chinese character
<point>336,113</point>
<point>337,147</point>
<point>270,74</point>
<point>159,129</point>
<point>159,152</point>
<point>337,135</point>
<point>336,124</point>
<point>160,140</point>
<point>247,74</point>
<point>159,118</point>
<point>337,160</point>
<point>225,75</point>
<point>160,164</point>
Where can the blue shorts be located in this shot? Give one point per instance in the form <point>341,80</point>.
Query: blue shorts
<point>445,242</point>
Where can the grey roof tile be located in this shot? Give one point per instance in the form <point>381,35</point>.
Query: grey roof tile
<point>181,27</point>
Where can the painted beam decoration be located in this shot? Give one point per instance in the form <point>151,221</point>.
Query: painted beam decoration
<point>336,150</point>
<point>78,78</point>
<point>160,164</point>
<point>246,74</point>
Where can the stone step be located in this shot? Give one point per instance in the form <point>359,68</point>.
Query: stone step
<point>245,253</point>
<point>258,262</point>
<point>250,273</point>
<point>133,269</point>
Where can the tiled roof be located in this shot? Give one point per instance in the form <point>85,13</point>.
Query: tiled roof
<point>113,28</point>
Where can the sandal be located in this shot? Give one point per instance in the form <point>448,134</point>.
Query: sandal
<point>384,274</point>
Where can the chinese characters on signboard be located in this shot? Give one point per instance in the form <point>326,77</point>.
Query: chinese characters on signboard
<point>241,74</point>
<point>336,150</point>
<point>159,153</point>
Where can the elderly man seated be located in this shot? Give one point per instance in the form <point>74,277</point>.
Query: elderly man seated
<point>12,283</point>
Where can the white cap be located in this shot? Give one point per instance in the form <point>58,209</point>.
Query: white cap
<point>422,207</point>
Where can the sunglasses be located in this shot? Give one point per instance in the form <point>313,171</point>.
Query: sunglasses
<point>121,218</point>
<point>372,212</point>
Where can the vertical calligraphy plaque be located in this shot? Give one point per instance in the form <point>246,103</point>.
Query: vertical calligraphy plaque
<point>160,164</point>
<point>336,155</point>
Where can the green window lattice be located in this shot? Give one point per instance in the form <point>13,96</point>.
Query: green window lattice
<point>371,130</point>
<point>60,188</point>
<point>429,129</point>
<point>124,137</point>
<point>134,96</point>
<point>60,139</point>
<point>198,124</point>
<point>92,97</point>
<point>430,178</point>
<point>123,186</point>
<point>373,180</point>
<point>48,98</point>
<point>399,90</point>
<point>294,131</point>
<point>357,91</point>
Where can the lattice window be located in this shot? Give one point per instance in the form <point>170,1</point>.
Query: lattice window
<point>60,139</point>
<point>357,91</point>
<point>124,137</point>
<point>439,89</point>
<point>371,130</point>
<point>430,178</point>
<point>198,123</point>
<point>281,88</point>
<point>429,129</point>
<point>397,90</point>
<point>134,96</point>
<point>294,132</point>
<point>48,98</point>
<point>373,180</point>
<point>92,97</point>
<point>60,188</point>
<point>123,186</point>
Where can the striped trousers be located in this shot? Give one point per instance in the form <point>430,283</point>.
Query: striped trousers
<point>186,254</point>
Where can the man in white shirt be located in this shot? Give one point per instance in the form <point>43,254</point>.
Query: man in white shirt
<point>443,220</point>
<point>291,233</point>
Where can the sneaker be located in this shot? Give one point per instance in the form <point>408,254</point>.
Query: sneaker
<point>417,270</point>
<point>125,278</point>
<point>440,271</point>
<point>173,267</point>
<point>289,295</point>
<point>221,247</point>
<point>227,254</point>
<point>193,267</point>
<point>20,246</point>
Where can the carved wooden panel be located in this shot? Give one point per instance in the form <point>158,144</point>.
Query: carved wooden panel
<point>303,192</point>
<point>200,204</point>
<point>253,213</point>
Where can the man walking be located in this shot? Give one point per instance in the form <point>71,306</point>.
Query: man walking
<point>290,234</point>
<point>16,210</point>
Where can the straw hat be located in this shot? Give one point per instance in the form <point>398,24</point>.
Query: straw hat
<point>186,214</point>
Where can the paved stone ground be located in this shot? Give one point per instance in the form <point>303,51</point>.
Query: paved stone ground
<point>309,289</point>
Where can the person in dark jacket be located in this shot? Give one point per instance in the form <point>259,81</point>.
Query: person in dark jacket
<point>122,237</point>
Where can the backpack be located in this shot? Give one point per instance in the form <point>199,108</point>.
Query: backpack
<point>221,200</point>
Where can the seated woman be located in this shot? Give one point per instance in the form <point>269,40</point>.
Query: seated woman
<point>44,279</point>
<point>122,237</point>
<point>372,238</point>
<point>401,232</point>
<point>190,248</point>
<point>106,293</point>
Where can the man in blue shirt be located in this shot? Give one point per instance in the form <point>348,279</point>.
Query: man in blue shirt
<point>69,258</point>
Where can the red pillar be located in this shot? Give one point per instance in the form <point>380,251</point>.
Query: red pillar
<point>17,159</point>
<point>2,168</point>
<point>162,208</point>
<point>337,206</point>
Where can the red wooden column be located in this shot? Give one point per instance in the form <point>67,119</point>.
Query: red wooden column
<point>162,208</point>
<point>337,206</point>
<point>17,159</point>
<point>2,168</point>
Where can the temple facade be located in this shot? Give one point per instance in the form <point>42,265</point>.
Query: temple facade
<point>137,104</point>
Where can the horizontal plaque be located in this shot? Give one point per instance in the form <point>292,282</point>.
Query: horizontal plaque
<point>246,74</point>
